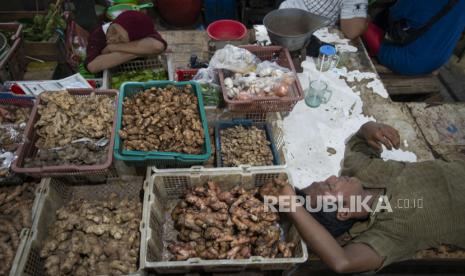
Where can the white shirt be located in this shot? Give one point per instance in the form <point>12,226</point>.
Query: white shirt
<point>332,9</point>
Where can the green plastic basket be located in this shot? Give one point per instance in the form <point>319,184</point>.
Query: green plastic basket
<point>157,158</point>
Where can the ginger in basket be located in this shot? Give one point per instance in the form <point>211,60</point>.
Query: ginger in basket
<point>65,118</point>
<point>163,119</point>
<point>94,237</point>
<point>216,224</point>
<point>15,214</point>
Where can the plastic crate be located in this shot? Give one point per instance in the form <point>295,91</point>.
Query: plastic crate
<point>266,104</point>
<point>56,194</point>
<point>10,99</point>
<point>13,65</point>
<point>7,98</point>
<point>161,61</point>
<point>185,74</point>
<point>165,190</point>
<point>247,124</point>
<point>20,250</point>
<point>214,116</point>
<point>28,149</point>
<point>170,159</point>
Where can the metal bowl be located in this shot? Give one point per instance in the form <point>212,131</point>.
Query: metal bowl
<point>292,28</point>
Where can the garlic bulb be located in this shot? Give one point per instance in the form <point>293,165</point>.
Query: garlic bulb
<point>228,82</point>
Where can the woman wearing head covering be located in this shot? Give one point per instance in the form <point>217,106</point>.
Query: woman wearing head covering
<point>132,34</point>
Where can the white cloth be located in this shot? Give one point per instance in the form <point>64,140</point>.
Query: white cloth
<point>105,27</point>
<point>332,9</point>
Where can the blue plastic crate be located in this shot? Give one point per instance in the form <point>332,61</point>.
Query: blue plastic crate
<point>157,158</point>
<point>7,98</point>
<point>245,123</point>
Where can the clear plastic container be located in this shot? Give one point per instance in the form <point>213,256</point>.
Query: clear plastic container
<point>327,59</point>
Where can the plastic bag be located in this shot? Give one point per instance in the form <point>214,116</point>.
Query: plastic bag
<point>206,75</point>
<point>11,136</point>
<point>266,67</point>
<point>234,59</point>
<point>269,79</point>
<point>6,159</point>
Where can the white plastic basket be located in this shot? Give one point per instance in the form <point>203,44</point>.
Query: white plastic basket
<point>164,190</point>
<point>19,252</point>
<point>57,193</point>
<point>215,115</point>
<point>161,61</point>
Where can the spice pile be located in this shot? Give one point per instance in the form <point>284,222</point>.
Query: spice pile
<point>15,214</point>
<point>72,130</point>
<point>163,119</point>
<point>245,146</point>
<point>235,224</point>
<point>98,237</point>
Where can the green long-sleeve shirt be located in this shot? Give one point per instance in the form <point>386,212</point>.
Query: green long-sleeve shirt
<point>427,198</point>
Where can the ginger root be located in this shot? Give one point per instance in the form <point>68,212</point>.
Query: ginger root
<point>92,237</point>
<point>15,214</point>
<point>65,118</point>
<point>163,119</point>
<point>235,224</point>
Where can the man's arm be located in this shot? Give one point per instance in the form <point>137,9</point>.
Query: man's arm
<point>145,46</point>
<point>353,28</point>
<point>354,18</point>
<point>362,155</point>
<point>109,60</point>
<point>357,257</point>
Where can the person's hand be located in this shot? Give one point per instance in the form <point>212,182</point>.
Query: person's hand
<point>285,189</point>
<point>377,134</point>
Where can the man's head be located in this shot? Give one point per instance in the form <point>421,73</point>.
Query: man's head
<point>345,187</point>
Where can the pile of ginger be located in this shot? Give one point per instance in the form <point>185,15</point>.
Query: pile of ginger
<point>163,119</point>
<point>234,224</point>
<point>15,214</point>
<point>65,118</point>
<point>94,238</point>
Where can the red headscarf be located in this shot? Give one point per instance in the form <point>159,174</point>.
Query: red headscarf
<point>137,24</point>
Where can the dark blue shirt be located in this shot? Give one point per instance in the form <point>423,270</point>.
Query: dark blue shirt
<point>434,48</point>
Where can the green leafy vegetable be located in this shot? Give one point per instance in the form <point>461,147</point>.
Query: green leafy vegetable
<point>43,27</point>
<point>138,76</point>
<point>211,94</point>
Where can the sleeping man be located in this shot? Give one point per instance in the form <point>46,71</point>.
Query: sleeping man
<point>390,209</point>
